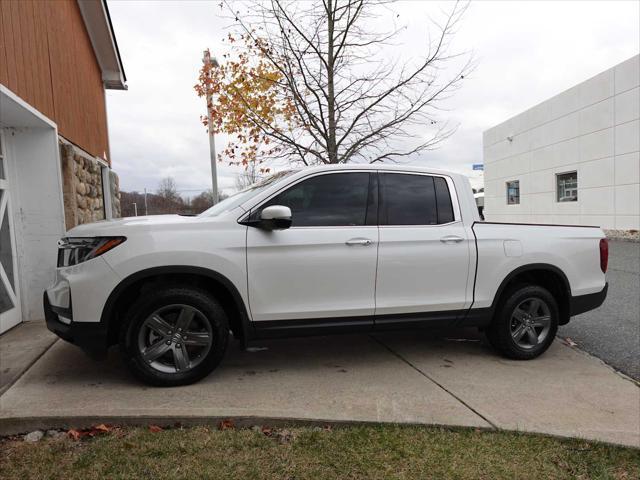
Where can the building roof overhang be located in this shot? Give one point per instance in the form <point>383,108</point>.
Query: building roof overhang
<point>97,20</point>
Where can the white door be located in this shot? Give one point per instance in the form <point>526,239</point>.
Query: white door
<point>423,256</point>
<point>324,265</point>
<point>10,314</point>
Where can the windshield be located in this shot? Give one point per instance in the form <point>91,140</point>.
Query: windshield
<point>242,196</point>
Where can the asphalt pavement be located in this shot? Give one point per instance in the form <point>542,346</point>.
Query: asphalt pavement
<point>612,332</point>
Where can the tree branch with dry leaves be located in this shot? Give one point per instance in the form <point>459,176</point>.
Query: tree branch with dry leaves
<point>311,82</point>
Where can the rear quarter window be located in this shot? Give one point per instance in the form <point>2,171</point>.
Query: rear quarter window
<point>443,199</point>
<point>410,199</point>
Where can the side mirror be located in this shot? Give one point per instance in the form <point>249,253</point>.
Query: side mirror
<point>275,217</point>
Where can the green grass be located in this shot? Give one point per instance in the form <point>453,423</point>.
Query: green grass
<point>366,452</point>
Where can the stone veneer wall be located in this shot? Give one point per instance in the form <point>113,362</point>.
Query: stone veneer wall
<point>82,187</point>
<point>114,184</point>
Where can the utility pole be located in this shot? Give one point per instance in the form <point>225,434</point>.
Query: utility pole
<point>135,209</point>
<point>207,60</point>
<point>146,212</point>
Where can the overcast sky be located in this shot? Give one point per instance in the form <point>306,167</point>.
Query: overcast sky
<point>526,52</point>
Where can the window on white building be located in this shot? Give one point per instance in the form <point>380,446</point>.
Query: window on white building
<point>513,192</point>
<point>567,187</point>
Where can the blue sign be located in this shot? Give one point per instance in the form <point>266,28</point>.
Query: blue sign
<point>478,166</point>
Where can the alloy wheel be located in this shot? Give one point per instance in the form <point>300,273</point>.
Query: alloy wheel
<point>530,323</point>
<point>175,338</point>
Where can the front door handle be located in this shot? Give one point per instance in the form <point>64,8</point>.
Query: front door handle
<point>451,239</point>
<point>359,241</point>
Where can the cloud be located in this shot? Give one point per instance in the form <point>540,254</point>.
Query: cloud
<point>526,52</point>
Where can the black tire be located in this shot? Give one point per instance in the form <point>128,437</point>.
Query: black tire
<point>209,324</point>
<point>506,325</point>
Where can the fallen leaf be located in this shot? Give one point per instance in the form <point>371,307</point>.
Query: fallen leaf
<point>226,425</point>
<point>570,342</point>
<point>102,428</point>
<point>155,428</point>
<point>74,434</point>
<point>267,431</point>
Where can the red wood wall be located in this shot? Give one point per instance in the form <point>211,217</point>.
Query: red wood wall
<point>46,58</point>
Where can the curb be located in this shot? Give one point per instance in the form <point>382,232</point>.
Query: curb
<point>615,370</point>
<point>18,426</point>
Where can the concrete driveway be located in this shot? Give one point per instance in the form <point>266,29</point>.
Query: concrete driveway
<point>447,379</point>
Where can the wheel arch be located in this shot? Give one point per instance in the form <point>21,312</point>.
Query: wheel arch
<point>214,282</point>
<point>545,275</point>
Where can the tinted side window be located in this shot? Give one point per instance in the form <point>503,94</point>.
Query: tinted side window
<point>443,199</point>
<point>408,200</point>
<point>337,199</point>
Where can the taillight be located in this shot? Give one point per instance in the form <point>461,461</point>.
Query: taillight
<point>604,255</point>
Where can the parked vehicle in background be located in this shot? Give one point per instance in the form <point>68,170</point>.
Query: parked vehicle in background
<point>323,250</point>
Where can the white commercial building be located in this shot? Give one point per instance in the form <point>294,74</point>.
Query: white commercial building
<point>573,159</point>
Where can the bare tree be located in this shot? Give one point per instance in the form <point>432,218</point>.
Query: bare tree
<point>167,189</point>
<point>249,176</point>
<point>349,101</point>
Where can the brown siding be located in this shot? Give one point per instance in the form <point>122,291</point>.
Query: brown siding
<point>46,58</point>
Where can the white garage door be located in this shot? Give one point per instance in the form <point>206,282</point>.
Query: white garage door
<point>9,302</point>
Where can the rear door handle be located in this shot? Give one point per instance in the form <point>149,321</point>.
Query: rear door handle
<point>359,241</point>
<point>451,239</point>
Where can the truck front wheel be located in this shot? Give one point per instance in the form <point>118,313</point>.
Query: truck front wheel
<point>525,323</point>
<point>174,336</point>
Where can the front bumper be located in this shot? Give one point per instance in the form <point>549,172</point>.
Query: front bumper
<point>591,301</point>
<point>73,304</point>
<point>90,336</point>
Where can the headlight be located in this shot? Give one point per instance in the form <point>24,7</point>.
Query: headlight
<point>72,251</point>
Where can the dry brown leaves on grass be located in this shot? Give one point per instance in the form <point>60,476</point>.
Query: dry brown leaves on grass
<point>77,434</point>
<point>226,425</point>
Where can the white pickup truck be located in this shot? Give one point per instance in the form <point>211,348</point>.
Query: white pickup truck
<point>357,248</point>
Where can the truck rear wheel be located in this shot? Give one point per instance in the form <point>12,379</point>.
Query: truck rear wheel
<point>174,336</point>
<point>525,323</point>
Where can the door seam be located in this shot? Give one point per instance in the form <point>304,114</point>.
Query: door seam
<point>375,283</point>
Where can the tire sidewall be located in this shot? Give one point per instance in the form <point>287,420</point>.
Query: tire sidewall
<point>140,311</point>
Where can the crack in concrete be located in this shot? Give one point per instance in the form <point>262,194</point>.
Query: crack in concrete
<point>425,375</point>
